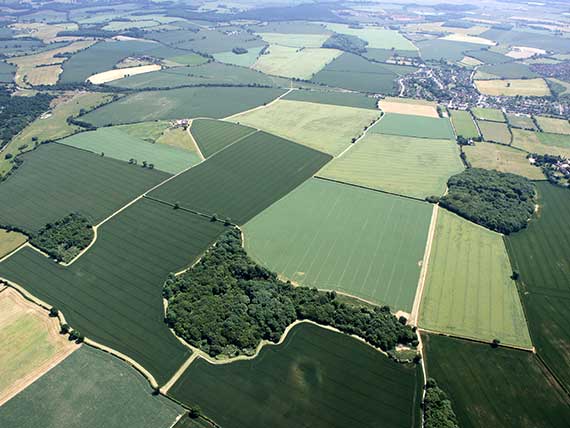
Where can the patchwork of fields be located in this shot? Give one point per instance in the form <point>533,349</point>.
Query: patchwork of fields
<point>495,132</point>
<point>301,383</point>
<point>339,237</point>
<point>541,142</point>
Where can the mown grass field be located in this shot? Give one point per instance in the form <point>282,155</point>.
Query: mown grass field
<point>181,104</point>
<point>104,390</point>
<point>113,293</point>
<point>468,291</point>
<point>245,178</point>
<point>417,167</point>
<point>334,236</point>
<point>495,132</point>
<point>552,125</point>
<point>294,62</point>
<point>521,121</point>
<point>215,135</point>
<point>464,124</point>
<point>414,126</point>
<point>323,127</point>
<point>53,126</point>
<point>492,114</point>
<point>541,142</point>
<point>502,158</point>
<point>57,180</point>
<point>345,99</point>
<point>540,254</point>
<point>500,388</point>
<point>513,87</point>
<point>114,143</point>
<point>316,378</point>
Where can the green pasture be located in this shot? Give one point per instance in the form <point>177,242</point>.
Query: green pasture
<point>495,132</point>
<point>407,125</point>
<point>469,291</point>
<point>55,180</point>
<point>215,135</point>
<point>115,143</point>
<point>488,57</point>
<point>541,142</point>
<point>338,237</point>
<point>533,39</point>
<point>553,125</point>
<point>448,50</point>
<point>521,121</point>
<point>295,40</point>
<point>316,378</point>
<point>495,387</point>
<point>509,70</point>
<point>243,60</point>
<point>417,167</point>
<point>89,389</point>
<point>325,127</point>
<point>113,293</point>
<point>464,124</point>
<point>377,38</point>
<point>344,99</point>
<point>244,178</point>
<point>491,114</point>
<point>180,104</point>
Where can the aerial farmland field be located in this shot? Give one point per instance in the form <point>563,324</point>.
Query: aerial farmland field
<point>112,293</point>
<point>464,124</point>
<point>225,185</point>
<point>214,135</point>
<point>541,142</point>
<point>10,240</point>
<point>324,127</point>
<point>408,106</point>
<point>414,126</point>
<point>521,121</point>
<point>514,87</point>
<point>346,99</point>
<point>495,132</point>
<point>180,104</point>
<point>59,180</point>
<point>489,393</point>
<point>300,383</point>
<point>491,114</point>
<point>553,125</point>
<point>377,38</point>
<point>106,392</point>
<point>469,292</point>
<point>244,60</point>
<point>340,237</point>
<point>377,161</point>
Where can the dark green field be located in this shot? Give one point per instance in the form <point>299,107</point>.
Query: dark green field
<point>89,389</point>
<point>350,71</point>
<point>541,254</point>
<point>181,104</point>
<point>533,39</point>
<point>212,73</point>
<point>6,72</point>
<point>510,70</point>
<point>436,49</point>
<point>489,57</point>
<point>214,135</point>
<point>346,99</point>
<point>113,293</point>
<point>245,178</point>
<point>495,387</point>
<point>408,125</point>
<point>316,378</point>
<point>56,180</point>
<point>385,54</point>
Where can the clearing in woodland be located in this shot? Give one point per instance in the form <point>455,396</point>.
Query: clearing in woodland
<point>323,127</point>
<point>339,237</point>
<point>417,167</point>
<point>469,291</point>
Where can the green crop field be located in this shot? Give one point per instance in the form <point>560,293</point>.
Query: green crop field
<point>57,180</point>
<point>534,39</point>
<point>334,236</point>
<point>181,104</point>
<point>243,60</point>
<point>509,70</point>
<point>295,40</point>
<point>489,57</point>
<point>245,178</point>
<point>353,72</point>
<point>495,132</point>
<point>7,72</point>
<point>212,73</point>
<point>495,387</point>
<point>323,127</point>
<point>541,142</point>
<point>491,114</point>
<point>417,167</point>
<point>115,143</point>
<point>104,392</point>
<point>464,124</point>
<point>346,99</point>
<point>468,291</point>
<point>552,125</point>
<point>437,49</point>
<point>377,38</point>
<point>146,131</point>
<point>316,378</point>
<point>113,293</point>
<point>540,254</point>
<point>414,126</point>
<point>521,121</point>
<point>502,158</point>
<point>214,135</point>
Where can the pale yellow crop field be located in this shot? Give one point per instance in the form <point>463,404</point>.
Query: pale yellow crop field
<point>513,87</point>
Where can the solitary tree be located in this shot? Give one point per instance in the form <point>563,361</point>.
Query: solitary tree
<point>195,412</point>
<point>53,312</point>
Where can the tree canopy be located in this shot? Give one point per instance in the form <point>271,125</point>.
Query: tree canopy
<point>438,412</point>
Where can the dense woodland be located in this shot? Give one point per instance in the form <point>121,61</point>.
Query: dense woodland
<point>347,43</point>
<point>502,202</point>
<point>17,112</point>
<point>227,304</point>
<point>64,239</point>
<point>438,412</point>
